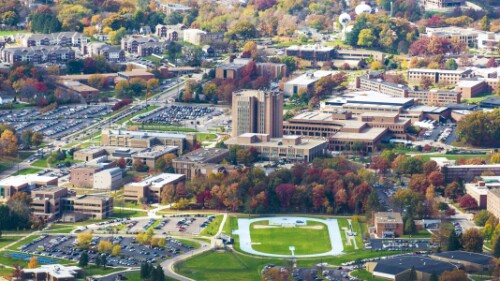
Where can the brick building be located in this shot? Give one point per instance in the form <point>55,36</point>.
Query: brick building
<point>388,224</point>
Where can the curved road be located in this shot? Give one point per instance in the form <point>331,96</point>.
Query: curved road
<point>168,265</point>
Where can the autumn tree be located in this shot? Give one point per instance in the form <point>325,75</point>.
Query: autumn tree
<point>104,246</point>
<point>481,217</point>
<point>472,240</point>
<point>84,240</point>
<point>115,251</point>
<point>480,128</point>
<point>455,275</point>
<point>467,202</point>
<point>8,143</point>
<point>33,263</point>
<point>276,274</point>
<point>426,82</point>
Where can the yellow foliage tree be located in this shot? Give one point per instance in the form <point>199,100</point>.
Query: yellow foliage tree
<point>155,241</point>
<point>33,262</point>
<point>116,250</point>
<point>104,246</point>
<point>376,65</point>
<point>250,47</point>
<point>8,143</point>
<point>84,240</point>
<point>162,242</point>
<point>141,238</point>
<point>495,158</point>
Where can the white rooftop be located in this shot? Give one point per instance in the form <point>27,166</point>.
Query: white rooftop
<point>159,180</point>
<point>57,271</point>
<point>310,77</point>
<point>25,179</point>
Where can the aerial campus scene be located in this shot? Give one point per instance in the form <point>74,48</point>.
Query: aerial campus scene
<point>250,140</point>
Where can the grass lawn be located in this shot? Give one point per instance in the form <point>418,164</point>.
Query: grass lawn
<point>120,213</point>
<point>205,136</point>
<point>167,128</point>
<point>215,266</point>
<point>6,240</point>
<point>357,227</point>
<point>310,239</point>
<point>421,234</point>
<point>27,171</point>
<point>136,276</point>
<point>8,161</point>
<point>213,227</point>
<point>365,275</point>
<point>12,32</point>
<point>23,241</point>
<point>93,269</point>
<point>193,244</point>
<point>55,228</point>
<point>147,109</point>
<point>42,163</point>
<point>427,157</point>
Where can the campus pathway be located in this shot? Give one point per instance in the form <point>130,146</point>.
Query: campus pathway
<point>333,230</point>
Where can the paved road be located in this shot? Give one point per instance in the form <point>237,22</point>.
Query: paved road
<point>168,265</point>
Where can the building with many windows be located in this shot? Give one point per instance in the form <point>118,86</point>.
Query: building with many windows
<point>415,75</point>
<point>37,54</point>
<point>110,53</point>
<point>150,188</point>
<point>63,39</point>
<point>311,52</point>
<point>147,139</point>
<point>288,148</point>
<point>304,82</point>
<point>187,163</point>
<point>388,224</point>
<point>256,111</point>
<point>23,183</point>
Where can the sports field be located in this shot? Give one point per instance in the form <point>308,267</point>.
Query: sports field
<point>310,239</point>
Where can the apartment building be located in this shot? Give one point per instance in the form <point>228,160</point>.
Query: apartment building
<point>170,8</point>
<point>150,48</point>
<point>186,163</point>
<point>111,53</point>
<point>151,187</point>
<point>23,183</point>
<point>290,148</point>
<point>311,52</point>
<point>131,43</point>
<point>37,54</point>
<point>147,139</point>
<point>255,111</point>
<point>305,82</point>
<point>170,32</point>
<point>388,224</point>
<point>415,75</point>
<point>63,39</point>
<point>200,37</point>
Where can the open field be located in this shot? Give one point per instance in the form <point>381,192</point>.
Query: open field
<point>6,240</point>
<point>310,239</point>
<point>216,266</point>
<point>12,32</point>
<point>356,227</point>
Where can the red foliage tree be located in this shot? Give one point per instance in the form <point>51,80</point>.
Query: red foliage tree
<point>467,202</point>
<point>285,193</point>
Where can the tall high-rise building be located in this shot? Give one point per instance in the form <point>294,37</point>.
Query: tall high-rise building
<point>256,111</point>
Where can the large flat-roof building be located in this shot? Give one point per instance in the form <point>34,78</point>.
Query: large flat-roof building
<point>186,164</point>
<point>415,75</point>
<point>388,224</point>
<point>468,172</point>
<point>255,111</point>
<point>470,261</point>
<point>151,187</point>
<point>398,268</point>
<point>290,148</point>
<point>311,52</point>
<point>147,139</point>
<point>150,156</point>
<point>46,202</point>
<point>479,192</point>
<point>23,183</point>
<point>51,272</point>
<point>305,82</point>
<point>87,206</point>
<point>109,179</point>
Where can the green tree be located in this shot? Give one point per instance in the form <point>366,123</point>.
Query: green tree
<point>451,64</point>
<point>290,62</point>
<point>84,260</point>
<point>243,29</point>
<point>481,217</point>
<point>485,23</point>
<point>115,37</point>
<point>453,242</point>
<point>410,227</point>
<point>472,240</point>
<point>496,248</point>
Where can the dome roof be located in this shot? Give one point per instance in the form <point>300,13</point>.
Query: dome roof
<point>362,8</point>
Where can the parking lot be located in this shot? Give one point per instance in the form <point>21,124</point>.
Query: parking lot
<point>177,114</point>
<point>399,244</point>
<point>172,225</point>
<point>56,123</point>
<point>313,274</point>
<point>131,254</point>
<point>441,133</point>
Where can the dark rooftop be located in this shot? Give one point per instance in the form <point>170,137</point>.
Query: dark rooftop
<point>476,258</point>
<point>397,265</point>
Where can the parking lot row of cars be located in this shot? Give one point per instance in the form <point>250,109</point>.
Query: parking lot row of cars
<point>173,114</point>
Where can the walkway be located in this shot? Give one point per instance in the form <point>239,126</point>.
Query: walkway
<point>333,230</point>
